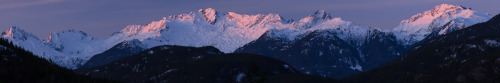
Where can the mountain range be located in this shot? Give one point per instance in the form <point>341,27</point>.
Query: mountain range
<point>468,55</point>
<point>318,44</point>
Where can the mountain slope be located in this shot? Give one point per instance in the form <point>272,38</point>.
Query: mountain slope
<point>467,55</point>
<point>190,64</point>
<point>326,52</point>
<point>442,19</point>
<point>31,43</point>
<point>20,66</point>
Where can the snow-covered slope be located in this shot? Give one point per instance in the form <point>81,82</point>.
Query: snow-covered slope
<point>77,43</point>
<point>207,27</point>
<point>420,26</point>
<point>203,28</point>
<point>320,20</point>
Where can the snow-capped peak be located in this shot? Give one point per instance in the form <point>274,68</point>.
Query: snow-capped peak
<point>320,20</point>
<point>427,16</point>
<point>445,7</point>
<point>71,33</point>
<point>316,16</point>
<point>273,18</point>
<point>64,39</point>
<point>10,32</point>
<point>17,33</point>
<point>210,15</point>
<point>321,14</point>
<point>419,26</point>
<point>153,27</point>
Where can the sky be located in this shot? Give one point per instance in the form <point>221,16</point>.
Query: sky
<point>100,18</point>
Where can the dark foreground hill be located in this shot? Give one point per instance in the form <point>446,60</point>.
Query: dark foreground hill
<point>178,64</point>
<point>470,55</point>
<point>20,66</point>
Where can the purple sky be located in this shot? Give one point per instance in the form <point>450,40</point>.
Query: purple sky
<point>100,18</point>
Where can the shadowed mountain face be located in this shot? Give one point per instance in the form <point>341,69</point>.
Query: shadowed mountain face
<point>190,64</point>
<point>126,48</point>
<point>324,53</point>
<point>20,66</point>
<point>469,55</point>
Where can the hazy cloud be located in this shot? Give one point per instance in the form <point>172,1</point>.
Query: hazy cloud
<point>23,3</point>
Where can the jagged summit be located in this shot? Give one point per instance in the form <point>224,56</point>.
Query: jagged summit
<point>320,21</point>
<point>447,7</point>
<point>254,20</point>
<point>209,14</point>
<point>273,18</point>
<point>321,14</point>
<point>439,10</point>
<point>61,40</point>
<point>10,32</point>
<point>75,33</point>
<point>70,34</point>
<point>17,33</point>
<point>153,27</point>
<point>316,16</point>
